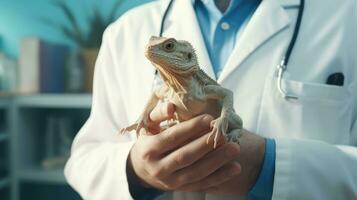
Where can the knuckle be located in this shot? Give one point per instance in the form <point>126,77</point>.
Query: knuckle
<point>170,185</point>
<point>181,160</point>
<point>204,121</point>
<point>157,173</point>
<point>207,117</point>
<point>148,155</point>
<point>230,150</point>
<point>170,136</point>
<point>183,179</point>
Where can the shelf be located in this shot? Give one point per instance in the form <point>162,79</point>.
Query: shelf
<point>80,101</point>
<point>5,99</point>
<point>4,102</point>
<point>41,175</point>
<point>4,182</point>
<point>3,137</point>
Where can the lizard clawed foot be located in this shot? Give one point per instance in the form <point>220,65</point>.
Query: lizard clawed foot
<point>142,122</point>
<point>219,126</point>
<point>128,129</point>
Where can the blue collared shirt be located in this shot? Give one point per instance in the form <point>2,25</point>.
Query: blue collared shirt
<point>220,32</point>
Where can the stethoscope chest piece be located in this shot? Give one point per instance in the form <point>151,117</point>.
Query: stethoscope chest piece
<point>279,72</point>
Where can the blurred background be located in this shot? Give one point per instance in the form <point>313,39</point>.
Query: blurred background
<point>47,53</point>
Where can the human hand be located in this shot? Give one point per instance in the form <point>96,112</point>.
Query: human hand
<point>179,158</point>
<point>252,150</point>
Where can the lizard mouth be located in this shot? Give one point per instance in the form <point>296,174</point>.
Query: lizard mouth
<point>158,57</point>
<point>168,63</point>
<point>148,54</point>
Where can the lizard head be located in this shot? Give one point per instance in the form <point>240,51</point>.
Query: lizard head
<point>172,56</point>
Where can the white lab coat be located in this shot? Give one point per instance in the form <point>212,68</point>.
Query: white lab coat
<point>316,136</point>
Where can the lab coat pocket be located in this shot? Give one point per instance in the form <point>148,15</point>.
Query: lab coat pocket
<point>322,112</point>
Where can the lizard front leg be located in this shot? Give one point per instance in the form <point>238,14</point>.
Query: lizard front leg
<point>143,120</point>
<point>228,118</point>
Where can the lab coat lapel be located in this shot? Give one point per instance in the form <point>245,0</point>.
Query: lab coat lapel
<point>181,23</point>
<point>269,18</point>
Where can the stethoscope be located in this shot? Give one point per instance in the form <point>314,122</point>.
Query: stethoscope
<point>281,68</point>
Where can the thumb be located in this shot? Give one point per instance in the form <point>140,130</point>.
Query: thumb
<point>162,112</point>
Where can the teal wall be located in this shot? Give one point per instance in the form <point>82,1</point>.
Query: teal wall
<point>23,18</point>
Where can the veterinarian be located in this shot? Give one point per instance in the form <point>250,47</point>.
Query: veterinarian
<point>292,66</point>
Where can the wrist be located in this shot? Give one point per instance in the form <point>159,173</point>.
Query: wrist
<point>138,188</point>
<point>258,162</point>
<point>254,146</point>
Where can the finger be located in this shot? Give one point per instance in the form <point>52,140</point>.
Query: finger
<point>223,174</point>
<point>188,154</point>
<point>181,133</point>
<point>210,163</point>
<point>162,112</point>
<point>166,126</point>
<point>144,132</point>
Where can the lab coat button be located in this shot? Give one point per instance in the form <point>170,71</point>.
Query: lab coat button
<point>225,26</point>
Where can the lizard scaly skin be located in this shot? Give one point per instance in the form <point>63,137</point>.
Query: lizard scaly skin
<point>188,87</point>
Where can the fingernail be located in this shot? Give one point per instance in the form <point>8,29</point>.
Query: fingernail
<point>170,108</point>
<point>207,119</point>
<point>234,171</point>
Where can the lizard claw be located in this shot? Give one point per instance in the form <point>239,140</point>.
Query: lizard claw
<point>128,129</point>
<point>176,117</point>
<point>143,122</point>
<point>171,122</point>
<point>219,126</point>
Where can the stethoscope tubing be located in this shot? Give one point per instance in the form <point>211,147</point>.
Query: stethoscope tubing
<point>282,67</point>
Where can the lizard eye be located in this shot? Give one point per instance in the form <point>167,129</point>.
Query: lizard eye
<point>169,46</point>
<point>189,56</point>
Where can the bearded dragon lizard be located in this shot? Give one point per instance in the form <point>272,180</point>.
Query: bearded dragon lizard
<point>189,88</point>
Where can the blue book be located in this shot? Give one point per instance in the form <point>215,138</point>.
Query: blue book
<point>52,67</point>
